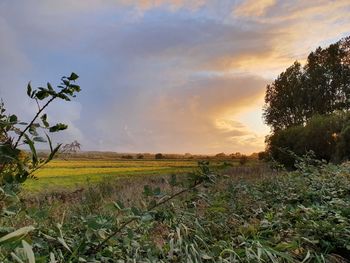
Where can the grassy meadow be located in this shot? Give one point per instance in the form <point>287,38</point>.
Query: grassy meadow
<point>75,173</point>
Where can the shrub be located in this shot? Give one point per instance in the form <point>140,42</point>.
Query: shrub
<point>262,156</point>
<point>220,155</point>
<point>140,156</point>
<point>243,160</point>
<point>328,136</point>
<point>128,156</point>
<point>159,156</point>
<point>343,144</point>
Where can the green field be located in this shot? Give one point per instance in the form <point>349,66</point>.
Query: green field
<point>75,173</point>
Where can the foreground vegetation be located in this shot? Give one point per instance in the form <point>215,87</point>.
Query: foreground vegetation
<point>249,214</point>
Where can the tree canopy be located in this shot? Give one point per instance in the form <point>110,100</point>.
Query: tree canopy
<point>322,86</point>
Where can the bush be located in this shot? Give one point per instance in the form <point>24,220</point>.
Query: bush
<point>281,142</point>
<point>159,156</point>
<point>128,156</point>
<point>328,136</point>
<point>263,156</point>
<point>343,144</point>
<point>220,155</point>
<point>243,160</point>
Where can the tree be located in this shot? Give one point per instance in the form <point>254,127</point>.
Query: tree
<point>236,155</point>
<point>322,86</point>
<point>70,148</point>
<point>284,100</point>
<point>220,155</point>
<point>262,155</point>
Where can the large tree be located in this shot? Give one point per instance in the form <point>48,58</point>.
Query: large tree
<point>322,86</point>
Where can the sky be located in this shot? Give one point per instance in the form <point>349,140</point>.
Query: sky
<point>170,76</point>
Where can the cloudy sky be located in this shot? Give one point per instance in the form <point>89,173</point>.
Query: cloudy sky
<point>161,75</point>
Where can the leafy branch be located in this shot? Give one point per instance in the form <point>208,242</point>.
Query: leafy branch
<point>14,167</point>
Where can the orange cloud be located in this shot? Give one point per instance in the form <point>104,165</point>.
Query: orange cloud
<point>253,7</point>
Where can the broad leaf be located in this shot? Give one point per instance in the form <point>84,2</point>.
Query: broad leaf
<point>58,127</point>
<point>19,233</point>
<point>73,76</point>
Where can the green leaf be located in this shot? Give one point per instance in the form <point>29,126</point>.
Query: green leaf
<point>119,205</point>
<point>49,87</point>
<point>63,96</point>
<point>52,258</point>
<point>75,88</point>
<point>29,90</point>
<point>44,120</point>
<point>147,191</point>
<point>58,127</point>
<point>63,243</point>
<point>42,94</point>
<point>32,149</point>
<point>73,76</point>
<point>19,233</point>
<point>16,258</point>
<point>13,118</point>
<point>32,130</point>
<point>7,153</point>
<point>146,217</point>
<point>49,140</point>
<point>39,139</point>
<point>22,175</point>
<point>206,257</point>
<point>53,153</point>
<point>135,211</point>
<point>29,251</point>
<point>23,123</point>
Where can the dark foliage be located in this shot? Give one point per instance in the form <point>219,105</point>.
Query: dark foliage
<point>322,86</point>
<point>159,156</point>
<point>328,136</point>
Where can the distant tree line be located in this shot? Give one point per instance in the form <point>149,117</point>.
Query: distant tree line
<point>307,107</point>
